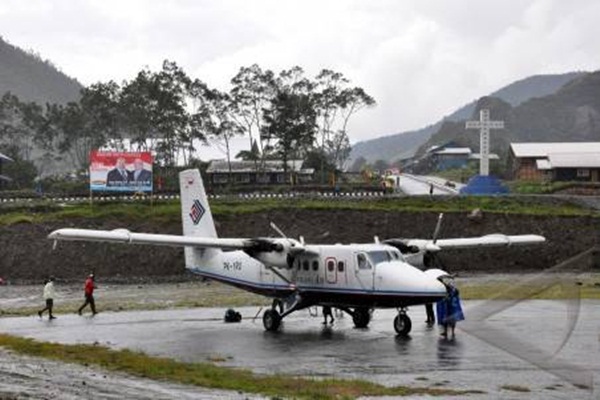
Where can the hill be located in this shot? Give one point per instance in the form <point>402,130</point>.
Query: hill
<point>32,79</point>
<point>405,144</point>
<point>570,114</point>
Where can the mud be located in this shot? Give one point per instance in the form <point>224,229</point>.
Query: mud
<point>23,377</point>
<point>26,254</point>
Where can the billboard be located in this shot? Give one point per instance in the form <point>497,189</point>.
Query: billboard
<point>120,171</point>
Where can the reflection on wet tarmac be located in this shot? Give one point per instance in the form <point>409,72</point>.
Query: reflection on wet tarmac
<point>306,347</point>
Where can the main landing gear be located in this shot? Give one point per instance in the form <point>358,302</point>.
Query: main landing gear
<point>402,323</point>
<point>271,320</point>
<point>361,317</point>
<point>279,309</point>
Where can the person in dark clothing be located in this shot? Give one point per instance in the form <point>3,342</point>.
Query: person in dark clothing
<point>430,314</point>
<point>49,295</point>
<point>327,313</point>
<point>89,287</point>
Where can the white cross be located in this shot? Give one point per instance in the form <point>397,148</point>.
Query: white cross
<point>484,125</point>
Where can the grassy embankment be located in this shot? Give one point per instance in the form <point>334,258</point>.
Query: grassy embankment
<point>209,375</point>
<point>170,211</point>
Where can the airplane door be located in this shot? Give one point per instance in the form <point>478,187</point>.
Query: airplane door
<point>330,270</point>
<point>364,271</point>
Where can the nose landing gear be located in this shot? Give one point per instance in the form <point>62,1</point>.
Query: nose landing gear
<point>402,323</point>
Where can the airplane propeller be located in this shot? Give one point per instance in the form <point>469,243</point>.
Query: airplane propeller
<point>277,252</point>
<point>430,258</point>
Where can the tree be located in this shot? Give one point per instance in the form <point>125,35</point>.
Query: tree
<point>21,172</point>
<point>222,127</point>
<point>291,123</point>
<point>252,91</point>
<point>19,123</point>
<point>336,103</point>
<point>358,165</point>
<point>154,107</point>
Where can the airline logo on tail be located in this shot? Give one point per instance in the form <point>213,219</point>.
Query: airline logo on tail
<point>196,212</point>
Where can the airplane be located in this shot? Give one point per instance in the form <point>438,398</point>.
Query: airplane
<point>355,278</point>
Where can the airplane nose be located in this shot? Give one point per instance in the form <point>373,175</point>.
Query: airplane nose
<point>413,279</point>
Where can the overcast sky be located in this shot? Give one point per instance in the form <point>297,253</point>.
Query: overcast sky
<point>419,59</point>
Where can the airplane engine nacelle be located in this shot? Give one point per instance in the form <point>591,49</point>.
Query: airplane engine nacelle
<point>273,259</point>
<point>416,260</point>
<point>423,260</point>
<point>277,253</point>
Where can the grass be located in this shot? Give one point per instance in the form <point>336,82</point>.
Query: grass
<point>170,211</point>
<point>212,376</point>
<point>552,289</point>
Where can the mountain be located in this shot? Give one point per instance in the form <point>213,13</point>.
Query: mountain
<point>32,79</point>
<point>570,114</point>
<point>405,144</point>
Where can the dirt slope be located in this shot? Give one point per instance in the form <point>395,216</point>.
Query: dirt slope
<point>25,253</point>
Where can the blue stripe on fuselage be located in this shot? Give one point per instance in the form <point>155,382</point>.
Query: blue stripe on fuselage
<point>272,287</point>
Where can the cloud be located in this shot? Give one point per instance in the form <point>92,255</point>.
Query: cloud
<point>420,59</point>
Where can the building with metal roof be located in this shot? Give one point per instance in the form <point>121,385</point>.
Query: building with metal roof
<point>557,161</point>
<point>251,172</point>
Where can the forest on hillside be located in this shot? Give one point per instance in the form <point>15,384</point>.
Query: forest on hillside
<point>285,115</point>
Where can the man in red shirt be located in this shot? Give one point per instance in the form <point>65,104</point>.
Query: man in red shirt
<point>89,295</point>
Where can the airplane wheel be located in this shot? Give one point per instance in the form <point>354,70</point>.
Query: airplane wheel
<point>271,320</point>
<point>402,324</point>
<point>361,317</point>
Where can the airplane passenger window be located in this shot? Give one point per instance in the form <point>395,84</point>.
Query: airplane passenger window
<point>315,265</point>
<point>340,266</point>
<point>305,265</point>
<point>330,266</point>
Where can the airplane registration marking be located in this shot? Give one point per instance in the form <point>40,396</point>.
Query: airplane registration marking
<point>232,266</point>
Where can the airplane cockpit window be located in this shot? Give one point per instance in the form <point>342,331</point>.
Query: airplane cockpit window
<point>362,261</point>
<point>379,256</point>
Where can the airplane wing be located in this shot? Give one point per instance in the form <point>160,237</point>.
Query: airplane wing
<point>125,236</point>
<point>494,240</point>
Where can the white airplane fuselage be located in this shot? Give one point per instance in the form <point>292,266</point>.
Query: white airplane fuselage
<point>355,275</point>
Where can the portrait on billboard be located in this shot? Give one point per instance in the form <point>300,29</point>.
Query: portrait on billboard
<point>121,171</point>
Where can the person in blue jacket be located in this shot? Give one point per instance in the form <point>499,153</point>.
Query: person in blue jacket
<point>449,309</point>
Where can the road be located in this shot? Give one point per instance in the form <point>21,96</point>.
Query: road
<point>473,360</point>
<point>415,185</point>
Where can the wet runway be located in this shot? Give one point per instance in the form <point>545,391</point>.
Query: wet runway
<point>553,335</point>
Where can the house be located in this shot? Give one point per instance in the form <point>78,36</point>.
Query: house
<point>555,161</point>
<point>251,172</point>
<point>451,156</point>
<point>3,178</point>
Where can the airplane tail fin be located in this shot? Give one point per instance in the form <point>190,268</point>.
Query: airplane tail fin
<point>197,219</point>
<point>195,211</point>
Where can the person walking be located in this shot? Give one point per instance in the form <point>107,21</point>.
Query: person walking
<point>449,310</point>
<point>88,288</point>
<point>49,295</point>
